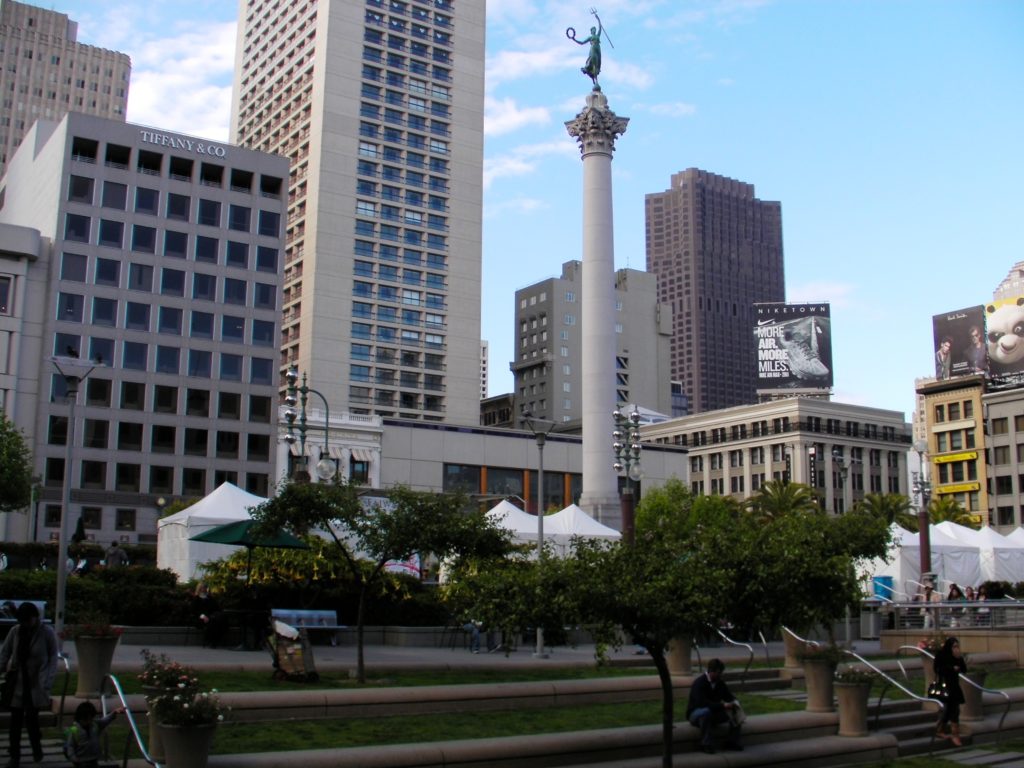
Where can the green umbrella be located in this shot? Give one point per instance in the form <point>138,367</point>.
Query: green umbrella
<point>239,534</point>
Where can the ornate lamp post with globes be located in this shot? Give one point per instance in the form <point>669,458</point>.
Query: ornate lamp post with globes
<point>540,428</point>
<point>626,446</point>
<point>923,495</point>
<point>326,468</point>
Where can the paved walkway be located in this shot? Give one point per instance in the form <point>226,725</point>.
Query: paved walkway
<point>326,657</point>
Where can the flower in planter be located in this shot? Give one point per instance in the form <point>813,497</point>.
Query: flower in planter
<point>91,624</point>
<point>932,643</point>
<point>856,675</point>
<point>161,672</point>
<point>188,706</point>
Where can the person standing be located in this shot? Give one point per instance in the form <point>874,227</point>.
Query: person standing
<point>943,358</point>
<point>949,665</point>
<point>115,556</point>
<point>710,703</point>
<point>30,650</point>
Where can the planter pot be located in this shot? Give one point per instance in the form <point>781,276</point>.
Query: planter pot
<point>853,708</point>
<point>972,708</point>
<point>154,743</point>
<point>819,680</point>
<point>187,746</point>
<point>793,649</point>
<point>94,657</point>
<point>678,656</point>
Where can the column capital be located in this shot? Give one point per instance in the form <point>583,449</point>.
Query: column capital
<point>596,127</point>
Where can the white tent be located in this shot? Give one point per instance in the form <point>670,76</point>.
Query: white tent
<point>523,525</point>
<point>1006,556</point>
<point>952,561</point>
<point>573,521</point>
<point>174,548</point>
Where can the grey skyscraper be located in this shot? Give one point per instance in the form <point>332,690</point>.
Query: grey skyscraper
<point>45,73</point>
<point>379,107</point>
<point>716,250</point>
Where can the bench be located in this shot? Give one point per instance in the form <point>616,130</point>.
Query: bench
<point>309,619</point>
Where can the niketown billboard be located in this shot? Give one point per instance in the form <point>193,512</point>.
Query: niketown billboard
<point>794,346</point>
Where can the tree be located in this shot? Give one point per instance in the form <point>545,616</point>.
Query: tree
<point>894,507</point>
<point>946,508</point>
<point>369,533</point>
<point>798,568</point>
<point>15,468</point>
<point>776,498</point>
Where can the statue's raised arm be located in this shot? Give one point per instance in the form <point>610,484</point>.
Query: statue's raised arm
<point>592,67</point>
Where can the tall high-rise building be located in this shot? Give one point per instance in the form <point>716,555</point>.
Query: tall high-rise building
<point>45,73</point>
<point>160,256</point>
<point>379,106</point>
<point>716,250</point>
<point>549,348</point>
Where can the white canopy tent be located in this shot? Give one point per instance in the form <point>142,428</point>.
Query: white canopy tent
<point>952,561</point>
<point>573,521</point>
<point>523,525</point>
<point>174,548</point>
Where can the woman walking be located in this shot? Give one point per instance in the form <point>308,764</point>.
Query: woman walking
<point>30,652</point>
<point>949,665</point>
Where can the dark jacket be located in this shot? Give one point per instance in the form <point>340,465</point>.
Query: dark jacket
<point>948,668</point>
<point>704,693</point>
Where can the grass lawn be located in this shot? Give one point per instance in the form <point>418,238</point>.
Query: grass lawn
<point>356,732</point>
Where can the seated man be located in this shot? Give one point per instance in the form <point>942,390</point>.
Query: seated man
<point>712,703</point>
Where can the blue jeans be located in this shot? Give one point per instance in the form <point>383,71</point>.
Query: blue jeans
<point>706,718</point>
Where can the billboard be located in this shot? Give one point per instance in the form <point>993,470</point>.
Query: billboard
<point>794,346</point>
<point>1004,334</point>
<point>959,342</point>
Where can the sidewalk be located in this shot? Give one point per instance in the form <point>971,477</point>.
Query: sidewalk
<point>386,657</point>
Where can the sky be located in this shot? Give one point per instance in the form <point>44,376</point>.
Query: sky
<point>890,131</point>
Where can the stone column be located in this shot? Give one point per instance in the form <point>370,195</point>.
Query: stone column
<point>596,128</point>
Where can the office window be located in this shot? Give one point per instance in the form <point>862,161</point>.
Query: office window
<point>111,233</point>
<point>167,359</point>
<point>108,272</point>
<point>202,325</point>
<point>196,441</point>
<point>73,267</point>
<point>234,291</point>
<point>172,282</point>
<point>238,218</point>
<point>263,333</point>
<point>206,249</point>
<point>178,207</point>
<point>101,350</point>
<point>260,408</point>
<point>134,356</point>
<point>114,195</point>
<point>80,189</point>
<point>204,286</point>
<point>230,367</point>
<point>266,259</point>
<point>261,371</point>
<point>170,321</point>
<point>140,277</point>
<point>237,255</point>
<point>176,244</point>
<point>165,399</point>
<point>200,362</point>
<point>70,307</point>
<point>197,402</point>
<point>136,316</point>
<point>229,405</point>
<point>209,213</point>
<point>269,223</point>
<point>265,296</point>
<point>76,228</point>
<point>147,200</point>
<point>143,239</point>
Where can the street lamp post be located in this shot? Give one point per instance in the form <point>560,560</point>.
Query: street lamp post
<point>923,494</point>
<point>74,371</point>
<point>626,446</point>
<point>326,469</point>
<point>843,467</point>
<point>540,428</point>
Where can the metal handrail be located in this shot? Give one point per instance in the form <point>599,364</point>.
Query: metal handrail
<point>61,657</point>
<point>764,642</point>
<point>133,727</point>
<point>889,681</point>
<point>805,641</point>
<point>750,650</point>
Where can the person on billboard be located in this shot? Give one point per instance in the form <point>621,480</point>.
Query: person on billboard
<point>976,353</point>
<point>943,359</point>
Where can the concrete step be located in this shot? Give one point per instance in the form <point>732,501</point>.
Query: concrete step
<point>53,753</point>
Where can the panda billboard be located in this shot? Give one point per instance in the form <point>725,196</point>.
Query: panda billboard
<point>1004,334</point>
<point>794,346</point>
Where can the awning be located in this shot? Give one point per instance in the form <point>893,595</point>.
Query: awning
<point>336,452</point>
<point>296,449</point>
<point>362,454</point>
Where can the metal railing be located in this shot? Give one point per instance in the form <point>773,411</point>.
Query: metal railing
<point>133,728</point>
<point>63,659</point>
<point>730,641</point>
<point>956,614</point>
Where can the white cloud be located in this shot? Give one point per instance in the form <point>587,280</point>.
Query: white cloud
<point>516,65</point>
<point>504,116</point>
<point>183,82</point>
<point>627,74</point>
<point>839,295</point>
<point>523,160</point>
<point>670,109</point>
<point>515,205</point>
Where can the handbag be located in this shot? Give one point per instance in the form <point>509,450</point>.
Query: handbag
<point>938,690</point>
<point>7,688</point>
